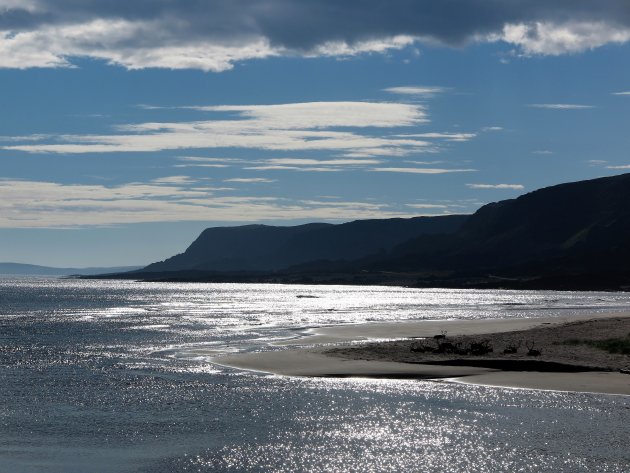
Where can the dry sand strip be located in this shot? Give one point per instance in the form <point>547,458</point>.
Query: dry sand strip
<point>428,328</point>
<point>558,368</point>
<point>313,362</point>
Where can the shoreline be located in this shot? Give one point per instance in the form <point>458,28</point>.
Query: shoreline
<point>411,280</point>
<point>382,350</point>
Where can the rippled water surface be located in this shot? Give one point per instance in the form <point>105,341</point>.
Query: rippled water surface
<point>97,376</point>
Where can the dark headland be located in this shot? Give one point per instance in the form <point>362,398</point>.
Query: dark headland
<point>573,236</point>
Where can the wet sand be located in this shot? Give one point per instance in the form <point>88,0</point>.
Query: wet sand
<point>559,366</point>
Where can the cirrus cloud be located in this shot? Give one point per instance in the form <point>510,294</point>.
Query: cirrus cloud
<point>422,91</point>
<point>517,187</point>
<point>405,170</point>
<point>313,126</point>
<point>561,106</point>
<point>40,204</point>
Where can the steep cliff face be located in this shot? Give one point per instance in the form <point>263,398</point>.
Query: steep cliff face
<point>581,225</point>
<point>247,247</point>
<point>266,248</point>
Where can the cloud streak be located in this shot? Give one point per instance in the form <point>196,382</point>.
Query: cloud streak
<point>213,35</point>
<point>37,204</point>
<point>249,180</point>
<point>561,106</point>
<point>420,170</point>
<point>442,136</point>
<point>356,129</point>
<point>516,187</point>
<point>422,91</point>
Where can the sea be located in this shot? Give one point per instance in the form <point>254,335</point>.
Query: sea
<point>118,376</point>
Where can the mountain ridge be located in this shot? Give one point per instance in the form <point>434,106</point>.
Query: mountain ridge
<point>559,221</point>
<point>568,236</point>
<point>272,248</point>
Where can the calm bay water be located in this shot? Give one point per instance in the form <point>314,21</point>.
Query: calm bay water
<point>102,376</point>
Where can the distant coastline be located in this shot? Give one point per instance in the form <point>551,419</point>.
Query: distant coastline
<point>580,282</point>
<point>20,269</point>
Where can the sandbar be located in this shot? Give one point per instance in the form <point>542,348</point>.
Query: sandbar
<point>382,350</point>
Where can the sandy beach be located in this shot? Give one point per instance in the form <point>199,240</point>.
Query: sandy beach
<point>385,351</point>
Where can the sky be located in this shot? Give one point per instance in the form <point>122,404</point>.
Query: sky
<point>129,127</point>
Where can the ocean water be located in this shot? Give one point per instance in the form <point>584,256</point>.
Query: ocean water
<point>105,376</point>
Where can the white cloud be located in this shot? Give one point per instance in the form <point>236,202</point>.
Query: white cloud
<point>492,128</point>
<point>201,165</point>
<point>421,170</point>
<point>311,165</point>
<point>546,38</point>
<point>427,206</point>
<point>282,167</point>
<point>560,106</point>
<point>33,204</point>
<point>342,48</point>
<point>216,35</point>
<point>174,180</point>
<point>196,159</point>
<point>340,204</point>
<point>621,93</point>
<point>322,162</point>
<point>327,114</point>
<point>542,152</point>
<point>249,179</point>
<point>445,136</point>
<point>423,163</point>
<point>496,186</point>
<point>416,90</point>
<point>284,127</point>
<point>119,42</point>
<point>34,137</point>
<point>623,166</point>
<point>390,151</point>
<point>198,162</point>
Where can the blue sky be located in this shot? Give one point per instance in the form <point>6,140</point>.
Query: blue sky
<point>127,129</point>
